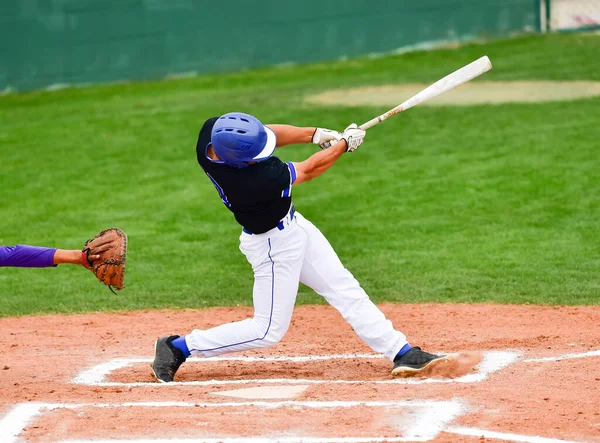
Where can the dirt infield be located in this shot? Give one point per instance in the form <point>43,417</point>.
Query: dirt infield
<point>87,378</point>
<point>473,93</point>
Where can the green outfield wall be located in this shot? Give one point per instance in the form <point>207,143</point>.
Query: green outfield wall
<point>50,42</point>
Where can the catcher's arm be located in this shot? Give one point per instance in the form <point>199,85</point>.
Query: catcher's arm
<point>74,257</point>
<point>27,256</point>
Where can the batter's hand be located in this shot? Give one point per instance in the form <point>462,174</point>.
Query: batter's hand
<point>354,137</point>
<point>322,136</point>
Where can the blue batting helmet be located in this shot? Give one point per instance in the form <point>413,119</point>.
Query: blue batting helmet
<point>239,138</point>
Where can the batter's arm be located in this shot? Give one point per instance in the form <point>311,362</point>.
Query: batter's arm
<point>292,135</point>
<point>318,163</point>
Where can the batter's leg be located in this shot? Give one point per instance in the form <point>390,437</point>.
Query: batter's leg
<point>323,271</point>
<point>276,261</point>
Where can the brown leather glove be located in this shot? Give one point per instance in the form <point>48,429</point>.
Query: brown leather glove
<point>111,247</point>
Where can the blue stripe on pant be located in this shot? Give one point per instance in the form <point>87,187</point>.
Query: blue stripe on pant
<point>270,316</point>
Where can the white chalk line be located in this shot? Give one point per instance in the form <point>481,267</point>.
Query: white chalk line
<point>96,374</point>
<point>23,414</point>
<point>428,418</point>
<point>492,361</point>
<point>564,357</point>
<point>504,436</point>
<point>433,418</point>
<point>20,416</point>
<point>258,403</point>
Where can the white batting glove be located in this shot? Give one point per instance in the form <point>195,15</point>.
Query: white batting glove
<point>354,137</point>
<point>323,136</point>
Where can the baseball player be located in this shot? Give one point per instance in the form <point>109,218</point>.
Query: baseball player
<point>283,248</point>
<point>104,255</point>
<point>25,256</point>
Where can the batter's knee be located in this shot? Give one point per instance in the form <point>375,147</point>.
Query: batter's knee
<point>272,332</point>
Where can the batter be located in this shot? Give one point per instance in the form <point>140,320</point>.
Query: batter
<point>283,248</point>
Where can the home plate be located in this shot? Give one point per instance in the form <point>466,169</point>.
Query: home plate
<point>264,392</point>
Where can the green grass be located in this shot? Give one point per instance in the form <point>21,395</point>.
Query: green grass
<point>475,204</point>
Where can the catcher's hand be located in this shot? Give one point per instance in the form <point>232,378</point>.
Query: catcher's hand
<point>105,256</point>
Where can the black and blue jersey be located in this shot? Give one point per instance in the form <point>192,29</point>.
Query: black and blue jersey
<point>259,196</point>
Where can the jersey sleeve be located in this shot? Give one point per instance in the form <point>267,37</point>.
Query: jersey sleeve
<point>287,191</point>
<point>292,169</point>
<point>24,256</point>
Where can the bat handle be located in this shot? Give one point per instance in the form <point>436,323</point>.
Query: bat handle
<point>327,145</point>
<point>364,127</point>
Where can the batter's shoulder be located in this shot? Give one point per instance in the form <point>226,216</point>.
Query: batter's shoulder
<point>273,162</point>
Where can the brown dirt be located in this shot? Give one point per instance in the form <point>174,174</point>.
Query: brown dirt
<point>472,93</point>
<point>203,422</point>
<point>558,399</point>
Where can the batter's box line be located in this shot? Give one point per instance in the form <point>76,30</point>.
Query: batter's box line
<point>427,419</point>
<point>96,375</point>
<point>563,357</point>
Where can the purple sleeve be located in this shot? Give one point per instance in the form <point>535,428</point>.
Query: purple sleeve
<point>24,256</point>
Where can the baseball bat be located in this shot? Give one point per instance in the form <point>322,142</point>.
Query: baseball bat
<point>451,81</point>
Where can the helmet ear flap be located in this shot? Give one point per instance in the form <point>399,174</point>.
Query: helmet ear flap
<point>224,156</point>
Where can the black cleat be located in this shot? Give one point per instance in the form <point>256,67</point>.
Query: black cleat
<point>414,361</point>
<point>167,359</point>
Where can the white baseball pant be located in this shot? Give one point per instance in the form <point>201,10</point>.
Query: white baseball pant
<point>280,259</point>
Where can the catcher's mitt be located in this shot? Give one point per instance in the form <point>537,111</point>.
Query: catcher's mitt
<point>110,248</point>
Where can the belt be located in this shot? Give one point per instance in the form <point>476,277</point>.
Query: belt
<point>280,225</point>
